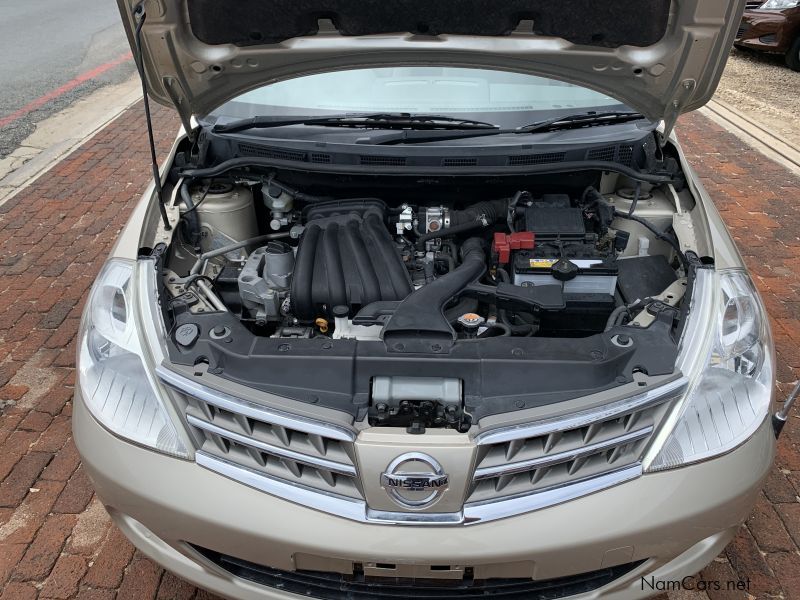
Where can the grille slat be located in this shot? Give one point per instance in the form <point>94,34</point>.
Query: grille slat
<point>562,457</point>
<point>538,457</point>
<point>270,443</point>
<point>283,453</point>
<point>519,468</point>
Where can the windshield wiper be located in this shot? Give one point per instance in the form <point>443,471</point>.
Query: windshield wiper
<point>576,121</point>
<point>586,119</point>
<point>371,121</point>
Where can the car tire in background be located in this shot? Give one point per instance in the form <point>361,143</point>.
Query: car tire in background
<point>793,56</point>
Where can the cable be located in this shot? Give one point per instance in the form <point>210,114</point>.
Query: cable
<point>199,202</point>
<point>662,236</point>
<point>636,196</point>
<point>231,247</point>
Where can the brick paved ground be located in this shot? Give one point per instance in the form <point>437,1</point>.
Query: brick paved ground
<point>55,538</point>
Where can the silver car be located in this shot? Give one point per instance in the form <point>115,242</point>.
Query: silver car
<point>427,301</point>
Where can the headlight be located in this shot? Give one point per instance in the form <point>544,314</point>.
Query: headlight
<point>779,4</point>
<point>115,385</point>
<point>734,393</point>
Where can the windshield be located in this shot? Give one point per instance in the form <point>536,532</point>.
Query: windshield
<point>418,90</point>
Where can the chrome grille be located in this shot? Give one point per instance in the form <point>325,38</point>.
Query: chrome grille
<point>584,446</point>
<point>232,431</point>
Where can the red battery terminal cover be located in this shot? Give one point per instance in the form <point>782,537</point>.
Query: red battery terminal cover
<point>504,243</point>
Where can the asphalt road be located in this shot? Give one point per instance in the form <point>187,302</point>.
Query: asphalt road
<point>53,53</point>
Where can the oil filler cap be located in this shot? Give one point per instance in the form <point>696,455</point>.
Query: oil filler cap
<point>564,270</point>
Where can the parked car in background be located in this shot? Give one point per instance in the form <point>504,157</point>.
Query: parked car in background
<point>772,26</point>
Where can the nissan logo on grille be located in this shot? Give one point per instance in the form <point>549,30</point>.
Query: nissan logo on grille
<point>414,480</point>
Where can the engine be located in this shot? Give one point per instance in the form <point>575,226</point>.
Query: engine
<point>369,269</point>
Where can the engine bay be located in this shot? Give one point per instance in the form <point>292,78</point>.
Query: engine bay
<point>361,269</point>
<point>383,297</point>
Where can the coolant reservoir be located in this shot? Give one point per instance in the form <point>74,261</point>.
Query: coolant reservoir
<point>227,215</point>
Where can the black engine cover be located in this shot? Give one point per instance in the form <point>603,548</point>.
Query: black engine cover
<point>346,259</point>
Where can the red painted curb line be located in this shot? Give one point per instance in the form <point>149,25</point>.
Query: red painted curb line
<point>70,85</point>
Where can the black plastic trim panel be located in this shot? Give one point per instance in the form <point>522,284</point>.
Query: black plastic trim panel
<point>336,586</point>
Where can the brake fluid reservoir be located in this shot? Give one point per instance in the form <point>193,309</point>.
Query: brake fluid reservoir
<point>227,215</point>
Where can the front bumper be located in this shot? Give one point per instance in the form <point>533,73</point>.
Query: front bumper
<point>677,521</point>
<point>765,30</point>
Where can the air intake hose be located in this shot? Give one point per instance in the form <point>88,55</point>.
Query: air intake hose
<point>481,214</point>
<point>419,323</point>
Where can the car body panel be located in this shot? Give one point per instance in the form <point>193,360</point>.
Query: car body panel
<point>769,30</point>
<point>660,79</point>
<point>180,502</point>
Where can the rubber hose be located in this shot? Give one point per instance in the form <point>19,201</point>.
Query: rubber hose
<point>481,214</point>
<point>190,218</point>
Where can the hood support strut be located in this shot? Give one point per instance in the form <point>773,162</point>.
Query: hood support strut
<point>140,15</point>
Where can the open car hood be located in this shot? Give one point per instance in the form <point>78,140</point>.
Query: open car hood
<point>660,57</point>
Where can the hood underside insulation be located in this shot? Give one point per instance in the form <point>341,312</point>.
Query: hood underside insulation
<point>585,22</point>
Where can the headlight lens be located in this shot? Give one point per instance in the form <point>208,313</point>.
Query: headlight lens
<point>779,4</point>
<point>734,393</point>
<point>115,385</point>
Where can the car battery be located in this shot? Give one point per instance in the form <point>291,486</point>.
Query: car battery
<point>592,275</point>
<point>564,252</point>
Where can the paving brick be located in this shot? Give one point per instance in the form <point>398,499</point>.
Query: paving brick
<point>786,566</point>
<point>790,515</point>
<point>719,580</point>
<point>768,529</point>
<point>13,448</point>
<point>64,578</point>
<point>141,580</point>
<point>95,594</point>
<point>55,436</point>
<point>56,315</point>
<point>16,485</point>
<point>63,464</point>
<point>779,489</point>
<point>90,530</point>
<point>9,557</point>
<point>19,591</point>
<point>55,399</point>
<point>108,568</point>
<point>76,494</point>
<point>28,517</point>
<point>45,549</point>
<point>13,392</point>
<point>746,559</point>
<point>35,421</point>
<point>173,588</point>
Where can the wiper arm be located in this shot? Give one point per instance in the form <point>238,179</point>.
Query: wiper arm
<point>370,121</point>
<point>586,119</point>
<point>591,119</point>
